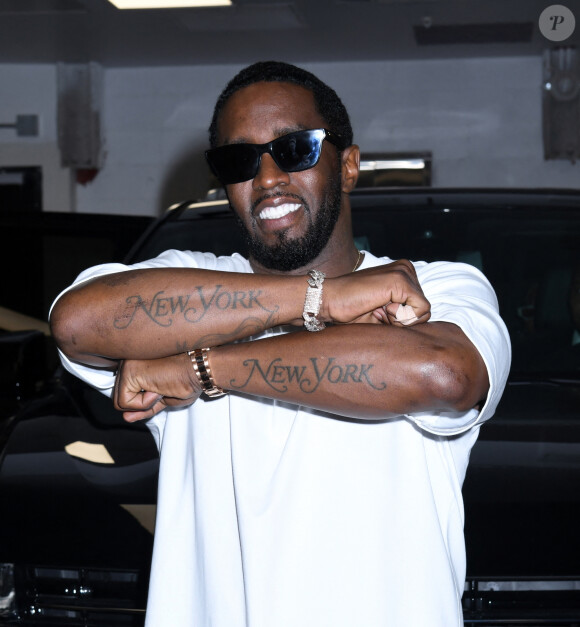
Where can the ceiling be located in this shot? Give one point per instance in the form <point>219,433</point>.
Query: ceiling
<point>301,31</point>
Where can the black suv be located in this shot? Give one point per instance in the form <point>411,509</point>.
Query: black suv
<point>78,485</point>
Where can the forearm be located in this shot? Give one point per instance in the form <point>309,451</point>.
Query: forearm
<point>147,314</point>
<point>155,313</point>
<point>363,371</point>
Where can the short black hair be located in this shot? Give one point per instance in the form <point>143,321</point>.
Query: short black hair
<point>328,104</point>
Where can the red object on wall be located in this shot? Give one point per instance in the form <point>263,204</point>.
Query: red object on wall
<point>86,175</point>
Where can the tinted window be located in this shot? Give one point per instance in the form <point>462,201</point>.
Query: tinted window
<point>531,256</point>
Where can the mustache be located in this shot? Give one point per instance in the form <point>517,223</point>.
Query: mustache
<point>269,196</point>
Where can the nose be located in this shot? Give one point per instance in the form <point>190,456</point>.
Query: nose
<point>269,175</point>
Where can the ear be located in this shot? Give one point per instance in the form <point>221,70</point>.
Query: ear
<point>350,167</point>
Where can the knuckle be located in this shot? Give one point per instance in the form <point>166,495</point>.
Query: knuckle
<point>407,267</point>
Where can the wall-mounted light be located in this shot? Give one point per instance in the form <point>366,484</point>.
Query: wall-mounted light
<point>399,169</point>
<point>169,4</point>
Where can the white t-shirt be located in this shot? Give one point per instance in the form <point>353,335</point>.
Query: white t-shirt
<point>275,515</point>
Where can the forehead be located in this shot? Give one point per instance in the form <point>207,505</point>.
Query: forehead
<point>265,110</point>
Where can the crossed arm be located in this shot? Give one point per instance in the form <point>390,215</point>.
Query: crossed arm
<point>143,321</point>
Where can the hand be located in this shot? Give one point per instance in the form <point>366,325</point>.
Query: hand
<point>390,294</point>
<point>145,387</point>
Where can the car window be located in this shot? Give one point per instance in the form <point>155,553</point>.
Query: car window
<point>531,257</point>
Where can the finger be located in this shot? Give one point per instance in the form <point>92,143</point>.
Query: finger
<point>369,318</point>
<point>136,415</point>
<point>129,400</point>
<point>405,315</point>
<point>181,402</point>
<point>381,315</point>
<point>409,322</point>
<point>402,312</point>
<point>162,404</point>
<point>419,305</point>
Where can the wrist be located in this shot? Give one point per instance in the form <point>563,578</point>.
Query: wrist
<point>324,314</point>
<point>202,369</point>
<point>313,301</point>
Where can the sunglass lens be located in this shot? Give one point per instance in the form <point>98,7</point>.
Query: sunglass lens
<point>234,163</point>
<point>297,151</point>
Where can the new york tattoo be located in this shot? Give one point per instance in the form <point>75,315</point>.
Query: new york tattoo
<point>280,375</point>
<point>162,309</point>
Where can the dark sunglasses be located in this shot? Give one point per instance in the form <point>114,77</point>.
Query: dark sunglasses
<point>235,163</point>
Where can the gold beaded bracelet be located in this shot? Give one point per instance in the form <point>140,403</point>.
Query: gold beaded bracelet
<point>202,370</point>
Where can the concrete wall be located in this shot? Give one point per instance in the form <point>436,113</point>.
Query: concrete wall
<point>481,119</point>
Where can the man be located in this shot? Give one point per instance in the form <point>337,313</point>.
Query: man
<point>325,487</point>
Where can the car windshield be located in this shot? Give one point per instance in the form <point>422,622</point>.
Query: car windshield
<point>528,247</point>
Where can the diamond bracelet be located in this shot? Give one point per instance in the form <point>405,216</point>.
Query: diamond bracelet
<point>313,301</point>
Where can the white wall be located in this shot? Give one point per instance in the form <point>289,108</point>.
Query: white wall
<point>481,119</point>
<point>31,89</point>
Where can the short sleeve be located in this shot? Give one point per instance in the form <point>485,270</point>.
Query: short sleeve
<point>460,294</point>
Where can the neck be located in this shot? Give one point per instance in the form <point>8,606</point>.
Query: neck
<point>335,260</point>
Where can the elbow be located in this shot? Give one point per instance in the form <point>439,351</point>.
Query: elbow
<point>458,382</point>
<point>76,330</point>
<point>62,325</point>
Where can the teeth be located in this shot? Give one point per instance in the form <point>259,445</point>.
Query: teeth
<point>274,213</point>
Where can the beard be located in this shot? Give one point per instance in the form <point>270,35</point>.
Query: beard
<point>289,254</point>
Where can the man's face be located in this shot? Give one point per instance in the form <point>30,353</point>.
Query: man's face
<point>288,218</point>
